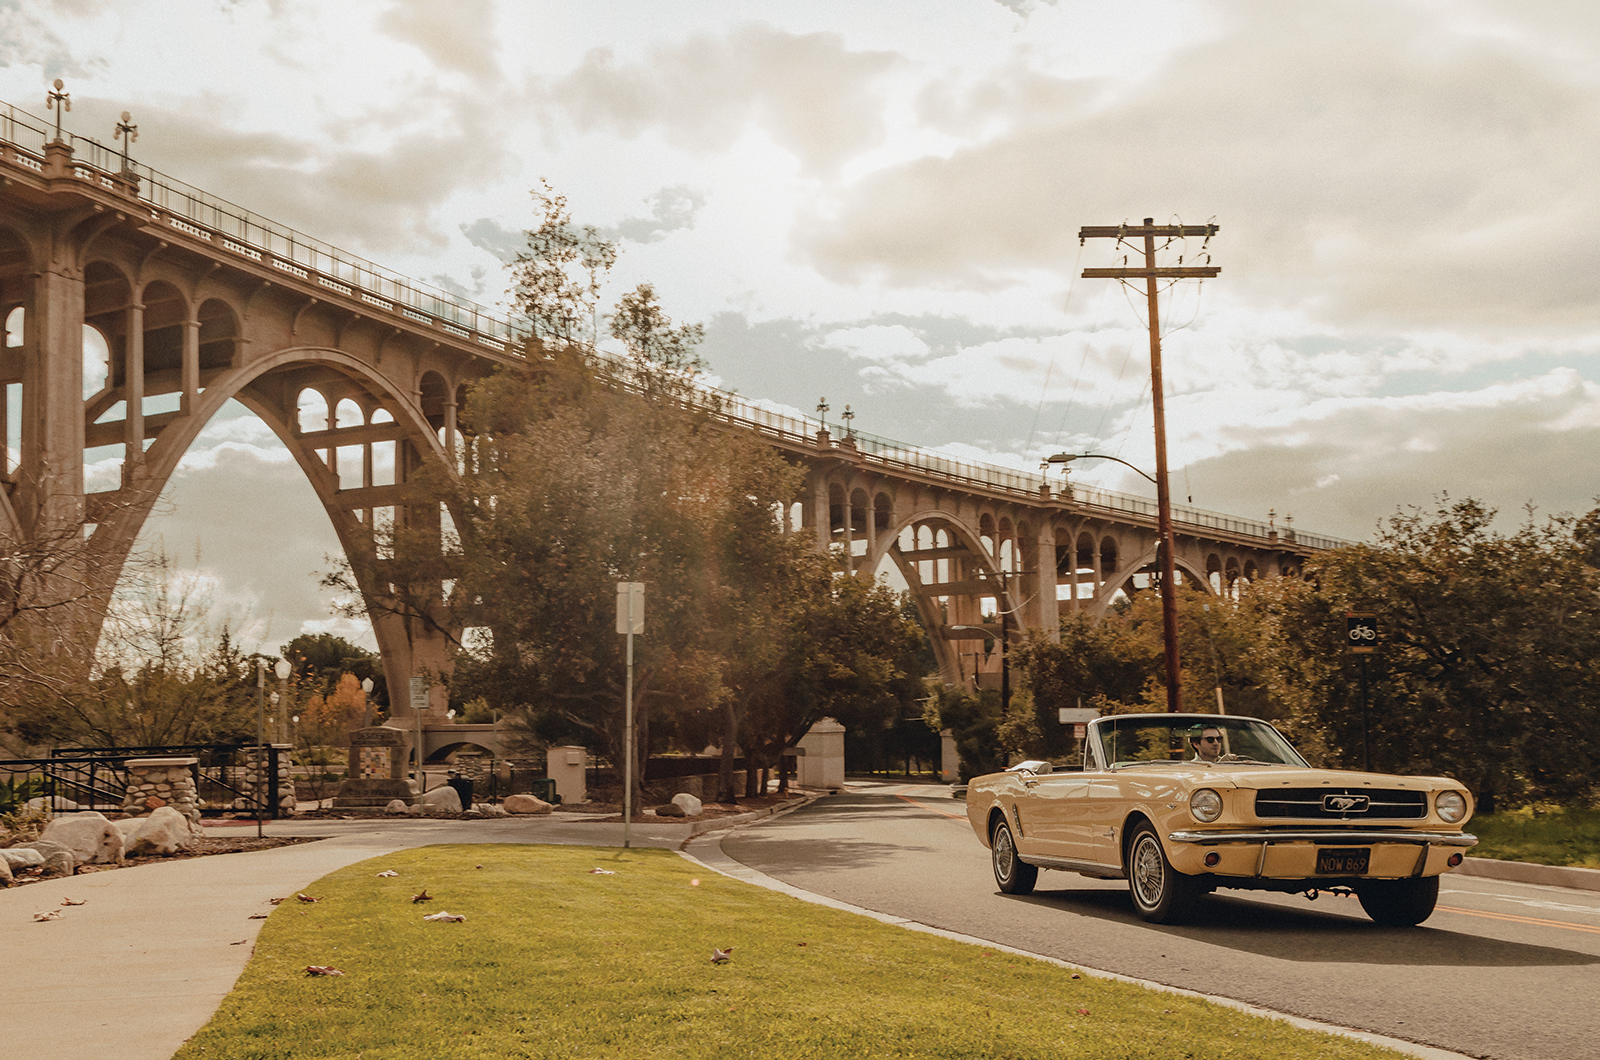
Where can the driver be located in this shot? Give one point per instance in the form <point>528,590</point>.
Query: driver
<point>1208,748</point>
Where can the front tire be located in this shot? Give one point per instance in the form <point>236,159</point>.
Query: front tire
<point>1399,903</point>
<point>1011,873</point>
<point>1161,894</point>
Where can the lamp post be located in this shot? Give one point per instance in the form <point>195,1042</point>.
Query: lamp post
<point>58,101</point>
<point>128,133</point>
<point>282,668</point>
<point>366,701</point>
<point>261,738</point>
<point>1169,588</point>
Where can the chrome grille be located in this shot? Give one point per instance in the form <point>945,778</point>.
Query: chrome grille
<point>1313,804</point>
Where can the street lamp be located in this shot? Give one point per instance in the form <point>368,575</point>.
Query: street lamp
<point>1066,458</point>
<point>1169,588</point>
<point>366,701</point>
<point>283,668</point>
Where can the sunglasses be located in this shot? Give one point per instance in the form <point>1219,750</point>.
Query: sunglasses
<point>1210,739</point>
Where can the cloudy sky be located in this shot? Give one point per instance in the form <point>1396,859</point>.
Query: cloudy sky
<point>879,204</point>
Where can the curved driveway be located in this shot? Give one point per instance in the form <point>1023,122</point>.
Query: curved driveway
<point>1501,970</point>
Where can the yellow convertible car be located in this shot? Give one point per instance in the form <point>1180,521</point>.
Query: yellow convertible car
<point>1181,804</point>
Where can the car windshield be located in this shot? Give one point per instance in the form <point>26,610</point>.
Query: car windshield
<point>1150,739</point>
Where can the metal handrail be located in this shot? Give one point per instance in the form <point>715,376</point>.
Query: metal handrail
<point>243,232</point>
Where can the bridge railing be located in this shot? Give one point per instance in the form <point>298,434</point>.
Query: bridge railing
<point>264,241</point>
<point>896,455</point>
<point>268,243</point>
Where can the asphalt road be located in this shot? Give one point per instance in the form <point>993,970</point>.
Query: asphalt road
<point>1500,970</point>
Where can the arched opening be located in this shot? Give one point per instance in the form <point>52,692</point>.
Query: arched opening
<point>219,335</point>
<point>311,411</point>
<point>348,414</point>
<point>165,311</point>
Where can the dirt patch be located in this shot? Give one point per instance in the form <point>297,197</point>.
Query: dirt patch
<point>597,808</point>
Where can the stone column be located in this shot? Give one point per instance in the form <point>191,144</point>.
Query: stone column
<point>191,365</point>
<point>133,391</point>
<point>157,782</point>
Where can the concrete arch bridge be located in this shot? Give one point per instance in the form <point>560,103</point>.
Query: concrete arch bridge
<point>360,372</point>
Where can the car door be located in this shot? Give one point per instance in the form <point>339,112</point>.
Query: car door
<point>1054,814</point>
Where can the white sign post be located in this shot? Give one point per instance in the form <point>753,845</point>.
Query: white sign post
<point>419,707</point>
<point>630,620</point>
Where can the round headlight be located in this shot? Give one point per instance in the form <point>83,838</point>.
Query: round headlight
<point>1452,806</point>
<point>1206,805</point>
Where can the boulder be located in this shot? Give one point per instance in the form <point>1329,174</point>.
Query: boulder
<point>441,800</point>
<point>670,809</point>
<point>525,804</point>
<point>489,809</point>
<point>22,858</point>
<point>691,806</point>
<point>129,826</point>
<point>59,803</point>
<point>5,873</point>
<point>165,832</point>
<point>92,839</point>
<point>396,806</point>
<point>58,859</point>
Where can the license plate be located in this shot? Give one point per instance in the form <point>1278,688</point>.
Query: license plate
<point>1340,861</point>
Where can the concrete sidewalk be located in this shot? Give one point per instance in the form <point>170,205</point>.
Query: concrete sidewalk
<point>143,965</point>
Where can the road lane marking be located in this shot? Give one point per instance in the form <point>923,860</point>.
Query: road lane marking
<point>1534,903</point>
<point>1513,918</point>
<point>930,809</point>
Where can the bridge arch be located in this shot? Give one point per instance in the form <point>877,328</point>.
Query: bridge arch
<point>271,387</point>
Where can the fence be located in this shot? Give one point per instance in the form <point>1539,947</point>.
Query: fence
<point>96,778</point>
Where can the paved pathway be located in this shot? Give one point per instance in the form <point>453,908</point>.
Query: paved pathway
<point>143,964</point>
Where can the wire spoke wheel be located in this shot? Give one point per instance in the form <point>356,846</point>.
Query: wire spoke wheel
<point>1011,873</point>
<point>1161,894</point>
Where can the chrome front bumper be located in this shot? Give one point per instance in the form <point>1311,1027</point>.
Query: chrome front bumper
<point>1327,837</point>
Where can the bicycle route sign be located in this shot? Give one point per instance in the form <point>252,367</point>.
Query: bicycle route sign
<point>1361,632</point>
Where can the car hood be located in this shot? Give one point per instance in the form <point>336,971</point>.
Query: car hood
<point>1244,775</point>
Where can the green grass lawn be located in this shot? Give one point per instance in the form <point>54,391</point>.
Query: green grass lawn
<point>554,961</point>
<point>1546,836</point>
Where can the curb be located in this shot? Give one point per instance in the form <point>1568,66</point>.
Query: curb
<point>701,827</point>
<point>1527,872</point>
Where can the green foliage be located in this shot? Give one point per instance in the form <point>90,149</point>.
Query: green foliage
<point>1545,835</point>
<point>974,721</point>
<point>16,791</point>
<point>320,659</point>
<point>1485,670</point>
<point>555,961</point>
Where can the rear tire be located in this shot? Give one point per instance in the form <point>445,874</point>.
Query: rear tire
<point>1161,894</point>
<point>1011,873</point>
<point>1399,903</point>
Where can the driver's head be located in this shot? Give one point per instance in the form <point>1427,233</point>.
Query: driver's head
<point>1209,745</point>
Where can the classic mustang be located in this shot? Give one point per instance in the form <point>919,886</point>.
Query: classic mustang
<point>1178,817</point>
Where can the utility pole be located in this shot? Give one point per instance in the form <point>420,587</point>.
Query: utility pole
<point>1149,231</point>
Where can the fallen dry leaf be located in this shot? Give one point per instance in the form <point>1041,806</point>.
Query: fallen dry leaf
<point>322,969</point>
<point>422,896</point>
<point>448,918</point>
<point>601,872</point>
<point>721,956</point>
<point>74,901</point>
<point>257,916</point>
<point>307,898</point>
<point>388,872</point>
<point>52,914</point>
